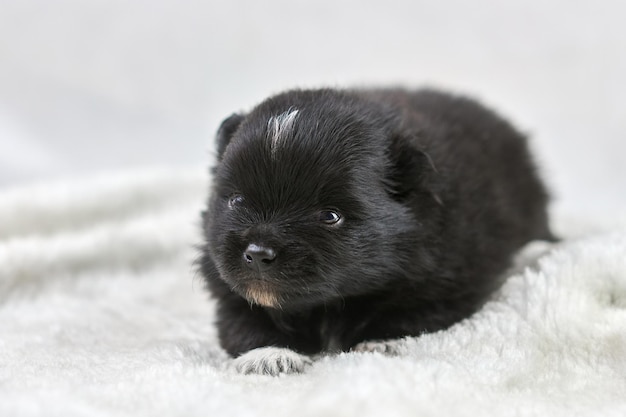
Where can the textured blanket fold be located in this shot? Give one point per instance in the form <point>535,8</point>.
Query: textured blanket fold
<point>102,313</point>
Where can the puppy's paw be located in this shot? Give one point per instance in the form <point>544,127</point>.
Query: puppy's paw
<point>271,361</point>
<point>388,347</point>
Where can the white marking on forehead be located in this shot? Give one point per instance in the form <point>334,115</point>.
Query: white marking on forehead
<point>279,126</point>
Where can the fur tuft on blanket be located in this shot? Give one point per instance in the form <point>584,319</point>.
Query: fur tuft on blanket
<point>102,313</point>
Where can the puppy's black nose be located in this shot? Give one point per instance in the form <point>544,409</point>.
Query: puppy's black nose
<point>259,258</point>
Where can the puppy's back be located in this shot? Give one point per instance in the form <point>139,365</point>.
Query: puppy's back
<point>492,198</point>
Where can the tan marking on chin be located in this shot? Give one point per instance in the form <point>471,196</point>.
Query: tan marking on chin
<point>262,297</point>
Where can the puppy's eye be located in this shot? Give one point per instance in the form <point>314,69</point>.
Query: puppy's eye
<point>330,217</point>
<point>235,200</point>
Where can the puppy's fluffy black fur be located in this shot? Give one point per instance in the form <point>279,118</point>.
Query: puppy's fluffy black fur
<point>338,217</point>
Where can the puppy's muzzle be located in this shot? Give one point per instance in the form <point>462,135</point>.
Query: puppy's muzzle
<point>258,257</point>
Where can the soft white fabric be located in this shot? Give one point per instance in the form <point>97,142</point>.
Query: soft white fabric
<point>102,313</point>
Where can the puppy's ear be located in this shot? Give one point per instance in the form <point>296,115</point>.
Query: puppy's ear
<point>225,132</point>
<point>412,171</point>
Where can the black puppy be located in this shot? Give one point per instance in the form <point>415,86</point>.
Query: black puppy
<point>342,217</point>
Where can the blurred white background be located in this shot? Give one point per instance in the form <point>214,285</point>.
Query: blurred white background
<point>107,85</point>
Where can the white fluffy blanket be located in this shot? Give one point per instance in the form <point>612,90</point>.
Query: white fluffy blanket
<point>101,313</point>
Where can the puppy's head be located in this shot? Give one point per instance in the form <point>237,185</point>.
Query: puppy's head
<point>305,207</point>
